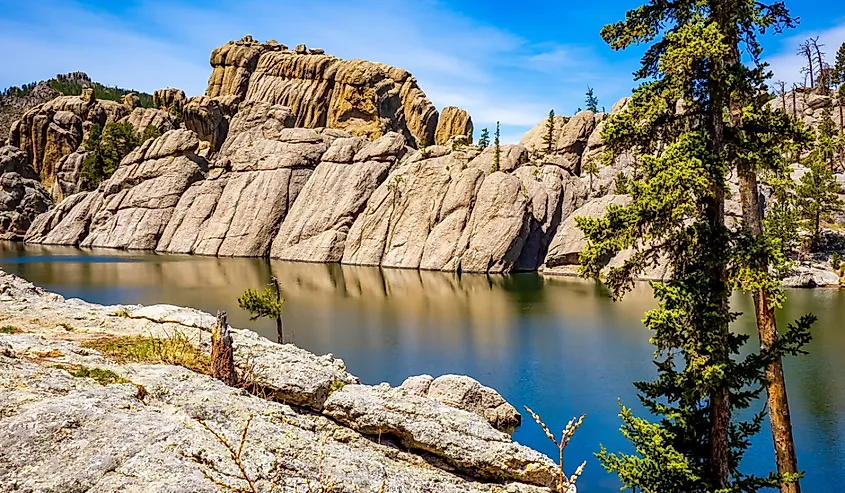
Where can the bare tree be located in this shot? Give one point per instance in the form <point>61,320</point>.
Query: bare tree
<point>781,91</point>
<point>806,49</point>
<point>823,70</point>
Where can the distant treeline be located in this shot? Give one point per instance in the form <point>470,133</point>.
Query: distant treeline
<point>70,87</point>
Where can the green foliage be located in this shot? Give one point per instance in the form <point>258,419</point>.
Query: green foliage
<point>836,261</point>
<point>549,136</point>
<point>107,147</point>
<point>100,375</point>
<point>264,304</point>
<point>497,152</point>
<point>268,304</point>
<point>592,101</point>
<point>9,329</point>
<point>484,140</point>
<point>151,132</point>
<point>676,214</point>
<point>591,168</point>
<point>620,184</point>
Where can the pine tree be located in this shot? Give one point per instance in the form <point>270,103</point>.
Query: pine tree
<point>549,136</point>
<point>497,152</point>
<point>267,304</point>
<point>592,101</point>
<point>677,214</point>
<point>818,190</point>
<point>484,140</point>
<point>591,168</point>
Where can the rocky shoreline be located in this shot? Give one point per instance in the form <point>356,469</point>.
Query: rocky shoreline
<point>154,428</point>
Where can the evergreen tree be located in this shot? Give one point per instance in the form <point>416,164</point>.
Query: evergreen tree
<point>677,214</point>
<point>151,132</point>
<point>838,74</point>
<point>497,152</point>
<point>267,303</point>
<point>592,101</point>
<point>818,190</point>
<point>549,136</point>
<point>591,168</point>
<point>484,140</point>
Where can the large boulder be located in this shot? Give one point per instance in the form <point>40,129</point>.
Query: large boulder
<point>131,209</point>
<point>21,195</point>
<point>463,439</point>
<point>13,106</point>
<point>463,392</point>
<point>453,121</point>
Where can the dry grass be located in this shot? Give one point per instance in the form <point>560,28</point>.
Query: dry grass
<point>176,349</point>
<point>565,483</point>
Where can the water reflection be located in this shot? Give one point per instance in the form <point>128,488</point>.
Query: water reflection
<point>557,344</point>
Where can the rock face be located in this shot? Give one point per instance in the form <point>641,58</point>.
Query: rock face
<point>315,229</point>
<point>147,434</point>
<point>141,118</point>
<point>13,107</point>
<point>453,121</point>
<point>261,169</point>
<point>21,195</point>
<point>209,117</point>
<point>167,98</point>
<point>360,97</point>
<point>463,392</point>
<point>132,208</point>
<point>53,130</point>
<point>568,242</point>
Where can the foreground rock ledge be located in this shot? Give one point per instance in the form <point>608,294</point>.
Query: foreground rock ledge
<point>63,433</point>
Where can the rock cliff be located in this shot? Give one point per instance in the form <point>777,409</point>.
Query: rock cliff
<point>363,98</point>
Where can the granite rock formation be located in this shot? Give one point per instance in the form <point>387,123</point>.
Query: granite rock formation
<point>21,195</point>
<point>53,130</point>
<point>453,121</point>
<point>363,98</point>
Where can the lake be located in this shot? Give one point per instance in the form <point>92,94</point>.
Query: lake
<point>558,345</point>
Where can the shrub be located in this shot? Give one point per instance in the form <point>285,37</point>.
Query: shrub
<point>9,329</point>
<point>835,261</point>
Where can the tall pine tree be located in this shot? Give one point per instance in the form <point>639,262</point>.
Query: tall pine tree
<point>497,151</point>
<point>549,136</point>
<point>677,214</point>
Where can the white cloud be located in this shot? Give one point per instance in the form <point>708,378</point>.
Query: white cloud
<point>786,64</point>
<point>493,74</point>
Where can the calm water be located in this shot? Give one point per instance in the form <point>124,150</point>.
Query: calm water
<point>558,345</point>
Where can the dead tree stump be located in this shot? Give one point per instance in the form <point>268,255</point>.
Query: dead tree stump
<point>222,353</point>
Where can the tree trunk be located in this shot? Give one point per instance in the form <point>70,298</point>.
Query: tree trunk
<point>222,353</point>
<point>280,327</point>
<point>778,403</point>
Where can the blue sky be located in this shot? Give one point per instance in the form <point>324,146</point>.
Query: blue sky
<point>507,61</point>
